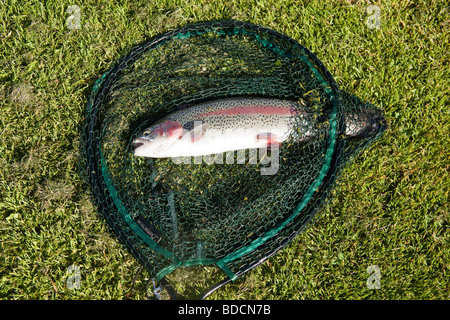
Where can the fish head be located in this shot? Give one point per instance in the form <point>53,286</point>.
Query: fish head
<point>155,140</point>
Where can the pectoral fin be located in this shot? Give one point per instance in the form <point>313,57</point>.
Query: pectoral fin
<point>267,139</point>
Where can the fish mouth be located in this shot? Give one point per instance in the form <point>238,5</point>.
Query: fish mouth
<point>137,143</point>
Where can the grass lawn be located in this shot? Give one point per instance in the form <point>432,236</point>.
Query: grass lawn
<point>392,207</point>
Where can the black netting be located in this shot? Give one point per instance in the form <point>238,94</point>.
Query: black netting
<point>214,210</point>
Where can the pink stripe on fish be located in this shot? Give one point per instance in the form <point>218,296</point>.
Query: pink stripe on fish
<point>255,110</point>
<point>173,128</point>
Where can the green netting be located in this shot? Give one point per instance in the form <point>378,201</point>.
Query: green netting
<point>216,210</point>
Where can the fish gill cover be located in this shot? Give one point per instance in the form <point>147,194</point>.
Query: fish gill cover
<point>232,210</point>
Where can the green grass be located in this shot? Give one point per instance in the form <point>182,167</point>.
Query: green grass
<point>392,208</point>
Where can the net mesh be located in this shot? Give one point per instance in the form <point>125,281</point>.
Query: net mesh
<point>217,210</point>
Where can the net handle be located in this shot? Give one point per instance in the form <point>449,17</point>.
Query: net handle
<point>218,285</point>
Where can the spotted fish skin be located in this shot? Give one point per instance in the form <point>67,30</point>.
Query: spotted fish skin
<point>218,126</point>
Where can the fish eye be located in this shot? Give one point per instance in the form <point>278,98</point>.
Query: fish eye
<point>146,133</point>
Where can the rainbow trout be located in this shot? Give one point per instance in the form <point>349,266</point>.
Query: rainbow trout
<point>223,125</point>
<point>219,126</point>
